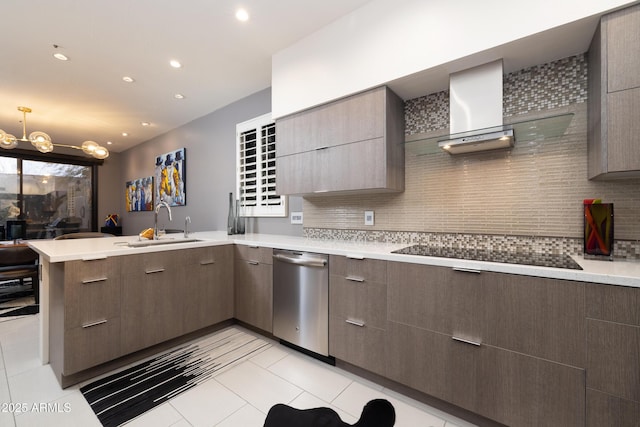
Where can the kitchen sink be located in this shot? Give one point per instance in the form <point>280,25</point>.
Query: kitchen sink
<point>162,241</point>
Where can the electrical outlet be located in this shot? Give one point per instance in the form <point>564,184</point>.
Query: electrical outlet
<point>296,217</point>
<point>368,217</point>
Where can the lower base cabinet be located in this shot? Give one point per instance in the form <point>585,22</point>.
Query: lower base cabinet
<point>207,295</point>
<point>151,299</point>
<point>358,344</point>
<point>505,386</point>
<point>253,300</point>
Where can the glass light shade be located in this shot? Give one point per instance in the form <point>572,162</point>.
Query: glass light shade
<point>8,141</point>
<point>100,152</point>
<point>88,147</point>
<point>39,138</point>
<point>43,146</point>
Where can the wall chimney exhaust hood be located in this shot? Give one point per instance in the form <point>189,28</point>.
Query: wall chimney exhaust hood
<point>476,117</point>
<point>475,102</point>
<point>488,139</point>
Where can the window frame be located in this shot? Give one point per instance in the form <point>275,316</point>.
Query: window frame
<point>259,210</point>
<point>22,154</point>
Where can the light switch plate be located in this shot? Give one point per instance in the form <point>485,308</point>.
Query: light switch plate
<point>368,217</point>
<point>296,217</point>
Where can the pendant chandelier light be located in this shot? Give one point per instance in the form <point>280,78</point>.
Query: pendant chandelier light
<point>43,143</point>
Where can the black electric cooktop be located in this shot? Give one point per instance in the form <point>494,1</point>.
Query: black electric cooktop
<point>537,259</point>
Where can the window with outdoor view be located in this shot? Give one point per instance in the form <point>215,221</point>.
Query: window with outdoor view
<point>52,198</point>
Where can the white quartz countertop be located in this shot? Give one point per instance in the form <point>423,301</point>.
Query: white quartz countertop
<point>619,272</point>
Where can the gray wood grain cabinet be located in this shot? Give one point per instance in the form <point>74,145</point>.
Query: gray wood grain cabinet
<point>614,96</point>
<point>254,286</point>
<point>349,145</point>
<point>358,312</point>
<point>208,292</point>
<point>85,315</point>
<point>106,308</point>
<point>510,348</point>
<point>152,300</point>
<point>613,355</point>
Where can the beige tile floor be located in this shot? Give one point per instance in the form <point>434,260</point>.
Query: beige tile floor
<point>237,397</point>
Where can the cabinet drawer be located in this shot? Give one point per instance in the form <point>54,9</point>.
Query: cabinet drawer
<point>369,270</point>
<point>436,298</point>
<point>254,253</point>
<point>535,316</point>
<point>508,387</point>
<point>613,352</point>
<point>92,292</point>
<point>604,410</point>
<point>365,301</point>
<point>91,345</point>
<point>613,303</point>
<point>363,346</point>
<point>202,256</point>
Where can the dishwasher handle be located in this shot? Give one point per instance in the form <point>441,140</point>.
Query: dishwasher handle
<point>307,262</point>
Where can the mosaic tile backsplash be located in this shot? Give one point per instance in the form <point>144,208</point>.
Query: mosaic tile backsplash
<point>530,195</point>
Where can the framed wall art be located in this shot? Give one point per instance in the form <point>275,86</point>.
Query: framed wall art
<point>139,194</point>
<point>170,174</point>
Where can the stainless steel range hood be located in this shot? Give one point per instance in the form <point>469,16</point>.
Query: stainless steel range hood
<point>475,111</point>
<point>488,139</point>
<point>476,118</point>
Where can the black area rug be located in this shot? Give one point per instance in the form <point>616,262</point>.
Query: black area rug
<point>22,311</point>
<point>127,394</point>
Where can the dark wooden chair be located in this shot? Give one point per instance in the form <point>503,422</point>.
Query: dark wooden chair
<point>19,262</point>
<point>376,413</point>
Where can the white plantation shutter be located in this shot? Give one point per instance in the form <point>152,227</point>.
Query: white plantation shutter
<point>256,169</point>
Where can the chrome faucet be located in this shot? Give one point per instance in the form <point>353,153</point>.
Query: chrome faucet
<point>155,217</point>
<point>187,221</point>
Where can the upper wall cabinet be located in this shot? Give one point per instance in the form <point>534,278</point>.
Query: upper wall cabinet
<point>350,145</point>
<point>614,96</point>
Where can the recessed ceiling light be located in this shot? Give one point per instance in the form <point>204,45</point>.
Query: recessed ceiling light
<point>178,96</point>
<point>175,63</point>
<point>145,123</point>
<point>128,79</point>
<point>242,15</point>
<point>60,56</point>
<point>125,134</point>
<point>109,143</point>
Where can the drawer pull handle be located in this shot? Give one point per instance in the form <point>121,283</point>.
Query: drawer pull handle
<point>253,262</point>
<point>100,279</point>
<point>99,322</point>
<point>324,147</point>
<point>157,270</point>
<point>355,256</point>
<point>467,270</point>
<point>355,323</point>
<point>355,279</point>
<point>207,262</point>
<point>253,247</point>
<point>462,340</point>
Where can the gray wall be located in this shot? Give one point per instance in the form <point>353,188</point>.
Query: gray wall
<point>210,173</point>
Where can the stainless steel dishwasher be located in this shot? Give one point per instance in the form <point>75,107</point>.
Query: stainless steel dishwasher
<point>301,300</point>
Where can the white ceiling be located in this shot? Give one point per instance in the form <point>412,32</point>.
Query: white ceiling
<point>223,60</point>
<point>85,98</point>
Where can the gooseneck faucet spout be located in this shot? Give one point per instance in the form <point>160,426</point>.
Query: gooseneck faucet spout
<point>155,217</point>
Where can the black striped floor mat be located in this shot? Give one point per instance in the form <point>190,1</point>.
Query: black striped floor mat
<point>127,394</point>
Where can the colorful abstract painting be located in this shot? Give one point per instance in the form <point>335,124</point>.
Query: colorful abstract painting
<point>139,194</point>
<point>170,178</point>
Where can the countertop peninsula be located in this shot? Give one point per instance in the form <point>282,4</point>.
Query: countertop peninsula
<point>618,272</point>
